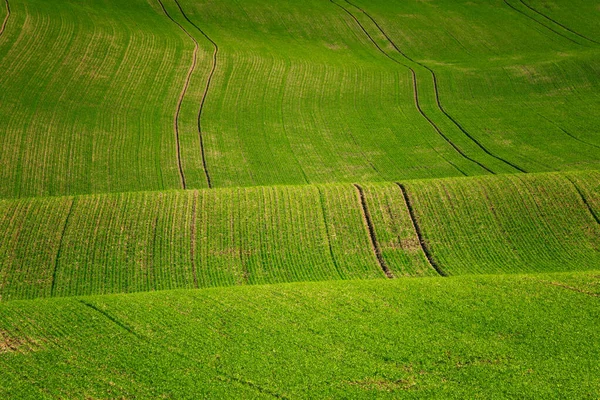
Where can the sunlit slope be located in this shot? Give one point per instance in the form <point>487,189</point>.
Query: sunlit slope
<point>135,242</point>
<point>442,338</point>
<point>523,84</point>
<point>89,96</point>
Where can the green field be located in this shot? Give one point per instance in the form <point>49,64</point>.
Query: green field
<point>330,198</point>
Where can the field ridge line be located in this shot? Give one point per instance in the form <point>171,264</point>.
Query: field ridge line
<point>584,199</point>
<point>538,22</point>
<point>5,22</point>
<point>437,96</point>
<point>371,230</point>
<point>183,93</point>
<point>417,228</point>
<point>558,23</point>
<point>60,245</point>
<point>205,93</point>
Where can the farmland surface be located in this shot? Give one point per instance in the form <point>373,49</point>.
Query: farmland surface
<point>299,199</point>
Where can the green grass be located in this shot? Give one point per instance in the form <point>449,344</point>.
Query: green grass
<point>132,242</point>
<point>526,337</point>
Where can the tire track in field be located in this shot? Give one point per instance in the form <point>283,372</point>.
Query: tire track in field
<point>371,229</point>
<point>437,97</point>
<point>205,93</point>
<point>585,200</point>
<point>417,228</point>
<point>539,23</point>
<point>3,27</point>
<point>183,92</point>
<point>193,238</point>
<point>113,320</point>
<point>558,23</point>
<point>60,245</point>
<point>563,130</point>
<point>414,79</point>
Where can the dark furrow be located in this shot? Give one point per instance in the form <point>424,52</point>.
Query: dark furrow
<point>193,239</point>
<point>416,95</point>
<point>204,94</point>
<point>574,289</point>
<point>438,130</point>
<point>584,199</point>
<point>371,230</point>
<point>436,92</point>
<point>225,377</point>
<point>424,246</point>
<point>558,23</point>
<point>335,264</point>
<point>183,92</point>
<point>6,18</point>
<point>112,319</point>
<point>60,245</point>
<point>538,22</point>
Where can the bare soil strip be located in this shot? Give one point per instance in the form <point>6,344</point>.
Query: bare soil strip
<point>437,96</point>
<point>6,18</point>
<point>372,236</point>
<point>183,92</point>
<point>60,245</point>
<point>208,82</point>
<point>419,233</point>
<point>558,23</point>
<point>539,23</point>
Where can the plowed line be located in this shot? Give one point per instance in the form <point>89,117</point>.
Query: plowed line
<point>437,95</point>
<point>205,94</point>
<point>60,245</point>
<point>538,22</point>
<point>193,239</point>
<point>419,233</point>
<point>183,92</point>
<point>332,255</point>
<point>558,23</point>
<point>6,18</point>
<point>372,236</point>
<point>112,319</point>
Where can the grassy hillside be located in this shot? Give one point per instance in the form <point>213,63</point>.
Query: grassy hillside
<point>107,96</point>
<point>526,337</point>
<point>193,239</point>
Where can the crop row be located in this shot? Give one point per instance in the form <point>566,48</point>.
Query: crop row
<point>195,239</point>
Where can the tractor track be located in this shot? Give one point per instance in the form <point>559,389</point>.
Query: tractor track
<point>539,23</point>
<point>3,27</point>
<point>437,96</point>
<point>416,95</point>
<point>585,200</point>
<point>183,92</point>
<point>325,221</point>
<point>558,23</point>
<point>205,93</point>
<point>417,228</point>
<point>60,245</point>
<point>193,234</point>
<point>371,229</point>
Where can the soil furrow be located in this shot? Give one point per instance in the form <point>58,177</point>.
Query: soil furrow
<point>436,92</point>
<point>539,23</point>
<point>372,236</point>
<point>205,93</point>
<point>416,95</point>
<point>60,245</point>
<point>558,23</point>
<point>419,233</point>
<point>3,27</point>
<point>193,238</point>
<point>183,92</point>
